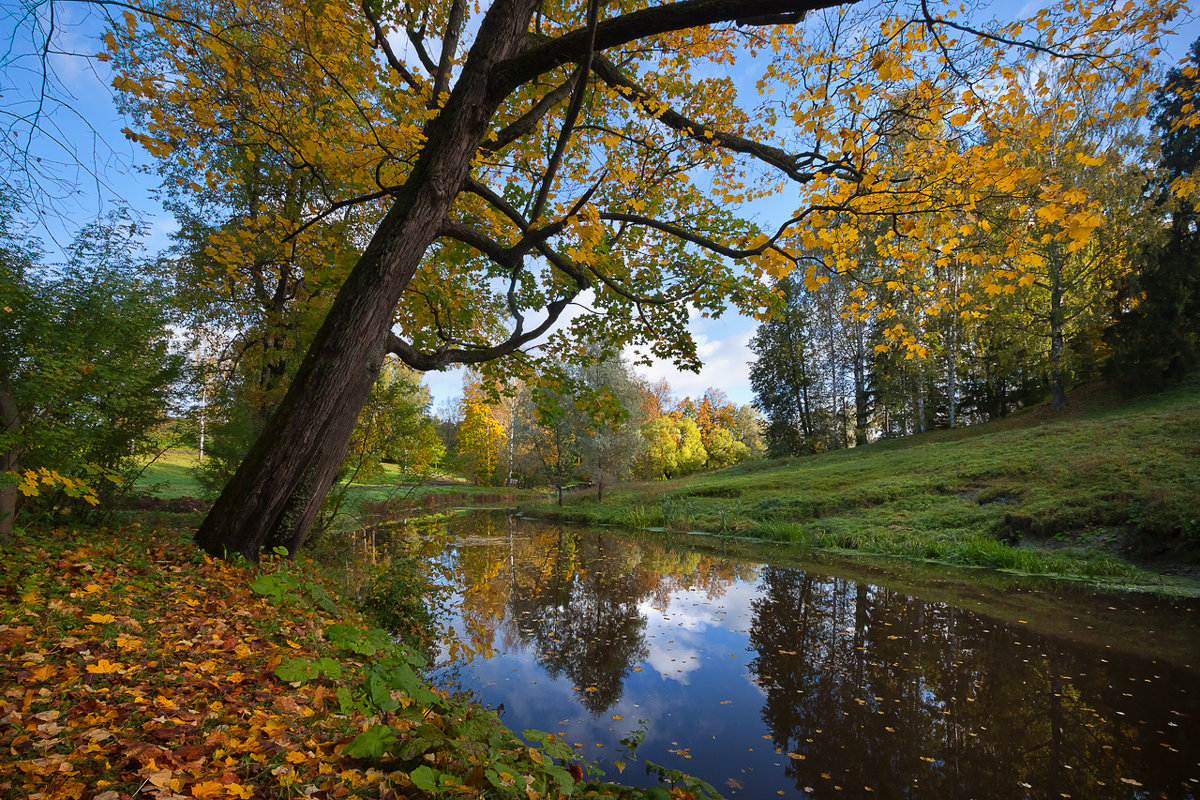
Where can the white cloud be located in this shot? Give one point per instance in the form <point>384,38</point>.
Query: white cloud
<point>724,347</point>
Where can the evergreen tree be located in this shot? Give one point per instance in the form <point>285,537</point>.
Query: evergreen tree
<point>782,373</point>
<point>1157,341</point>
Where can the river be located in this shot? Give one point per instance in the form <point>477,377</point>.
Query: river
<point>769,674</point>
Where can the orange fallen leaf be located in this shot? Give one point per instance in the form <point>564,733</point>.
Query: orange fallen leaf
<point>105,667</point>
<point>43,672</point>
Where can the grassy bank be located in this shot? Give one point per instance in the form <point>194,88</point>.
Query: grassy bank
<point>1086,493</point>
<point>133,666</point>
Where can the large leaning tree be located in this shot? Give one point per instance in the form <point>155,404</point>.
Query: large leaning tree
<point>534,177</point>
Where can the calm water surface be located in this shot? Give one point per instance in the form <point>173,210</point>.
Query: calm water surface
<point>772,680</point>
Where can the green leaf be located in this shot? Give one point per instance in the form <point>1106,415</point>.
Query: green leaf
<point>346,703</point>
<point>563,778</point>
<point>425,778</point>
<point>275,586</point>
<point>296,669</point>
<point>322,599</point>
<point>379,693</point>
<point>330,668</point>
<point>303,669</point>
<point>346,637</point>
<point>372,743</point>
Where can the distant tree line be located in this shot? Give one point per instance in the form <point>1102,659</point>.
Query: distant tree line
<point>602,425</point>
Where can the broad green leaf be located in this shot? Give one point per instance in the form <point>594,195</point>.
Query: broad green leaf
<point>372,743</point>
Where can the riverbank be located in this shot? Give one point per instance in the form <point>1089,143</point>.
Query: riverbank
<point>1103,492</point>
<point>134,665</point>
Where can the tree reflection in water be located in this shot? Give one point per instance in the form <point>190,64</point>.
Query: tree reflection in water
<point>862,691</point>
<point>914,698</point>
<point>574,599</point>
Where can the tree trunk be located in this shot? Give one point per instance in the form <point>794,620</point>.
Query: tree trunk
<point>920,422</point>
<point>799,372</point>
<point>10,421</point>
<point>952,373</point>
<point>860,389</point>
<point>277,491</point>
<point>1058,391</point>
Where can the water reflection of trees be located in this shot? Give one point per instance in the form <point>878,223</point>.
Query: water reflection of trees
<point>573,598</point>
<point>920,699</point>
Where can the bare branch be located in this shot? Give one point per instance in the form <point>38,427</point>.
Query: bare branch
<point>524,124</point>
<point>382,43</point>
<point>474,355</point>
<point>418,43</point>
<point>800,167</point>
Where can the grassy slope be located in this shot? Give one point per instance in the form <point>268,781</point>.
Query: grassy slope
<point>1078,486</point>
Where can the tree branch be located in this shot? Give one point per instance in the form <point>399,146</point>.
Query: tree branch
<point>456,355</point>
<point>627,28</point>
<point>524,124</point>
<point>564,134</point>
<point>382,42</point>
<point>441,80</point>
<point>791,165</point>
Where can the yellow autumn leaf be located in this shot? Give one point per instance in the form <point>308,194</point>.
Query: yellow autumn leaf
<point>1051,213</point>
<point>100,619</point>
<point>105,667</point>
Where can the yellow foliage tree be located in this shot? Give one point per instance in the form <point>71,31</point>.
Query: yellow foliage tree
<point>481,437</point>
<point>541,154</point>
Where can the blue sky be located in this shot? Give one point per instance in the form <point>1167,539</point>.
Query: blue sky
<point>86,130</point>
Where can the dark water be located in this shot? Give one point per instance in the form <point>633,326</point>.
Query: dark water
<point>780,680</point>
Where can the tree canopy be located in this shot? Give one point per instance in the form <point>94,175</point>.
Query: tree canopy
<point>497,167</point>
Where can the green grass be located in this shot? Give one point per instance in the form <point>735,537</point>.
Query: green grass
<point>1082,490</point>
<point>172,475</point>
